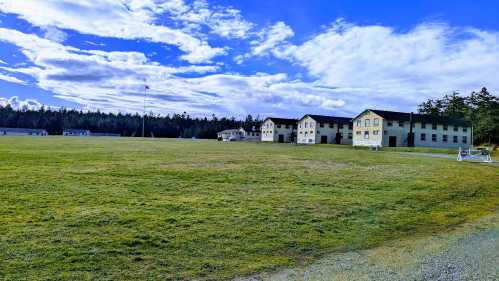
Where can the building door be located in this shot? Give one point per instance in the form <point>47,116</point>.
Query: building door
<point>338,138</point>
<point>392,141</point>
<point>281,138</point>
<point>410,139</point>
<point>323,139</point>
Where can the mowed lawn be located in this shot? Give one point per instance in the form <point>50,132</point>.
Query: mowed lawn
<point>133,209</point>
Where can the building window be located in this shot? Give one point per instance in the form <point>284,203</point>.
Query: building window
<point>287,126</point>
<point>456,128</point>
<point>366,134</point>
<point>301,132</point>
<point>278,126</point>
<point>433,137</point>
<point>390,123</point>
<point>311,132</point>
<point>376,122</point>
<point>306,133</point>
<point>350,126</point>
<point>401,123</point>
<point>423,125</point>
<point>359,122</point>
<point>465,139</point>
<point>434,126</point>
<point>454,139</point>
<point>321,125</point>
<point>423,137</point>
<point>331,125</point>
<point>318,132</point>
<point>446,127</point>
<point>444,138</point>
<point>385,132</point>
<point>311,124</point>
<point>306,124</point>
<point>350,136</point>
<point>358,133</point>
<point>465,129</point>
<point>375,132</point>
<point>367,122</point>
<point>310,140</point>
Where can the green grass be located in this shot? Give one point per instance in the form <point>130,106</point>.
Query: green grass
<point>132,209</point>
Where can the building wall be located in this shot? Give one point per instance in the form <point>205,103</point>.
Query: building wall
<point>14,133</point>
<point>310,132</point>
<point>370,134</point>
<point>271,131</point>
<point>394,128</point>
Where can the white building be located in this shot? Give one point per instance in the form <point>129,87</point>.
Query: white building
<point>388,128</point>
<point>22,132</point>
<point>76,133</point>
<point>279,130</point>
<point>239,135</point>
<point>314,129</point>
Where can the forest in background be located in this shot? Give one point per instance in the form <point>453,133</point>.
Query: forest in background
<point>169,126</point>
<point>480,108</point>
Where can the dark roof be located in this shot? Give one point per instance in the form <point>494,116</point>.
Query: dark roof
<point>284,121</point>
<point>329,119</point>
<point>23,130</point>
<point>404,116</point>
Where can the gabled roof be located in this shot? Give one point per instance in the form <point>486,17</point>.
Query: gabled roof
<point>230,130</point>
<point>76,130</point>
<point>284,121</point>
<point>425,118</point>
<point>329,119</point>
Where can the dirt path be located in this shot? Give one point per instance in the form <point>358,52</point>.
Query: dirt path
<point>470,252</point>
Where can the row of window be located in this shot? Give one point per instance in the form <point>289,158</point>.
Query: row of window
<point>367,123</point>
<point>322,125</point>
<point>445,138</point>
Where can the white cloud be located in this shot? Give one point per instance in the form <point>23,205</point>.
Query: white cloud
<point>17,103</point>
<point>2,62</point>
<point>223,21</point>
<point>11,79</point>
<point>271,37</point>
<point>54,34</point>
<point>114,81</point>
<point>375,66</point>
<point>125,19</point>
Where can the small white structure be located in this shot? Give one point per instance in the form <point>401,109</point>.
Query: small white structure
<point>231,135</point>
<point>480,155</point>
<point>22,132</point>
<point>76,133</point>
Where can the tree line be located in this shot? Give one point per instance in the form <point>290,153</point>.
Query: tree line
<point>480,108</point>
<point>170,126</point>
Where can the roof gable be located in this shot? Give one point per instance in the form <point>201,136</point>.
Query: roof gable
<point>328,119</point>
<point>424,118</point>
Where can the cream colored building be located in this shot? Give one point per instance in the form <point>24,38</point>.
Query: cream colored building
<point>313,129</point>
<point>389,128</point>
<point>279,130</point>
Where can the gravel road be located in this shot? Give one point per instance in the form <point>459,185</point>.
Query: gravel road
<point>470,252</point>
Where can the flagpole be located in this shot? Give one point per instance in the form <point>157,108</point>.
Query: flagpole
<point>144,113</point>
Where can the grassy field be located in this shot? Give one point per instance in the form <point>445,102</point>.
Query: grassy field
<point>133,209</point>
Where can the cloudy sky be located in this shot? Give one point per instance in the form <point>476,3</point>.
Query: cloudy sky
<point>231,58</point>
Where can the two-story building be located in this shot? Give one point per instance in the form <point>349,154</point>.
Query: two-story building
<point>389,128</point>
<point>313,129</point>
<point>22,132</point>
<point>278,130</point>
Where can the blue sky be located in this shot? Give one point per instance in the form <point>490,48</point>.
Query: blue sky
<point>232,58</point>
